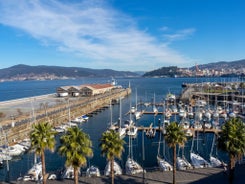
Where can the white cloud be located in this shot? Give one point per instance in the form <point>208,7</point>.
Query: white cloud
<point>179,35</point>
<point>93,31</point>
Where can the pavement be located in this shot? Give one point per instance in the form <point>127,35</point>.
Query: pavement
<point>193,176</point>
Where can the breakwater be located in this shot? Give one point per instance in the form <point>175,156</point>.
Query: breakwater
<point>19,120</point>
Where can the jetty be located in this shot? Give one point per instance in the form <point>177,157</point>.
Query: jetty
<point>21,114</point>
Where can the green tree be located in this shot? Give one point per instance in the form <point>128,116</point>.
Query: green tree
<point>111,146</point>
<point>75,146</point>
<point>232,141</point>
<point>42,137</point>
<point>174,136</point>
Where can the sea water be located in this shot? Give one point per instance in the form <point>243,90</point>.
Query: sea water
<point>148,89</point>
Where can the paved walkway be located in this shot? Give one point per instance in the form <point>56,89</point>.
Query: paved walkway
<point>194,176</point>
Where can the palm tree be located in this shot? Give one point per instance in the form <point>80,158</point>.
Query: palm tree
<point>42,137</point>
<point>75,146</point>
<point>111,146</point>
<point>232,141</point>
<point>174,136</point>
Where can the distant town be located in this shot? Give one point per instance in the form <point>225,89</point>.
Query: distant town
<point>25,72</point>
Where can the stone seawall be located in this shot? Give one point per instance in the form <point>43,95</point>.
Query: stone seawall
<point>54,109</point>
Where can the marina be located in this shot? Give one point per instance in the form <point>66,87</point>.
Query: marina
<point>100,121</point>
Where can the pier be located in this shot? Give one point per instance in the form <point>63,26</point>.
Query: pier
<point>21,114</point>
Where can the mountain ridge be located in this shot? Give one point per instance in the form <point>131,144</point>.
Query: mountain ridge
<point>27,72</point>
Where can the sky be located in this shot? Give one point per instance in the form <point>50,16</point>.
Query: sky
<point>123,35</point>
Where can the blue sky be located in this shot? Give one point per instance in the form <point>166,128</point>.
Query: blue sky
<point>133,35</point>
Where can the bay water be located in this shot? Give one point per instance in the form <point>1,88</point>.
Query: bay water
<point>148,89</point>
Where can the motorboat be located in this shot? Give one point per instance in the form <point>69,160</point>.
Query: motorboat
<point>132,167</point>
<point>117,168</point>
<point>93,171</point>
<point>78,120</point>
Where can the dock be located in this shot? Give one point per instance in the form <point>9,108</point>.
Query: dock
<point>21,114</point>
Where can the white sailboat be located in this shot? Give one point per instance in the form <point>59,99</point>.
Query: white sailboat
<point>163,164</point>
<point>214,161</point>
<point>182,163</point>
<point>35,173</point>
<point>196,160</point>
<point>132,129</point>
<point>68,173</point>
<point>116,167</point>
<point>121,130</point>
<point>137,113</point>
<point>131,166</point>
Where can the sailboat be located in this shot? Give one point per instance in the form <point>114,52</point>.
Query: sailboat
<point>121,130</point>
<point>137,113</point>
<point>196,160</point>
<point>182,163</point>
<point>131,166</point>
<point>163,164</point>
<point>117,168</point>
<point>132,129</point>
<point>214,161</point>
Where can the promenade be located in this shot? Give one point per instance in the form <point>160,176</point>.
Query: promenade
<point>193,176</point>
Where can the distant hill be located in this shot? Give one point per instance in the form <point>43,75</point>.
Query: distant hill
<point>222,68</point>
<point>26,72</point>
<point>239,64</point>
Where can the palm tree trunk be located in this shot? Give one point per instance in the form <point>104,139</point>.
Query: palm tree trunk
<point>174,164</point>
<point>231,168</point>
<point>43,167</point>
<point>75,175</point>
<point>112,171</point>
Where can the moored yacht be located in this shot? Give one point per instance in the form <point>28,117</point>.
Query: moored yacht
<point>182,164</point>
<point>93,171</point>
<point>197,161</point>
<point>117,168</point>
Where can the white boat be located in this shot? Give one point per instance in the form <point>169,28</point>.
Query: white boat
<point>68,173</point>
<point>121,130</point>
<point>117,168</point>
<point>162,162</point>
<point>35,173</point>
<point>151,131</point>
<point>85,117</point>
<point>132,130</point>
<point>164,165</point>
<point>12,151</point>
<point>215,162</point>
<point>182,113</point>
<point>182,164</point>
<point>78,120</point>
<point>197,161</point>
<point>132,167</point>
<point>132,110</point>
<point>93,171</point>
<point>138,114</point>
<point>170,97</point>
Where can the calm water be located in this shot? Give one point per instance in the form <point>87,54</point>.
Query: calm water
<point>147,88</point>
